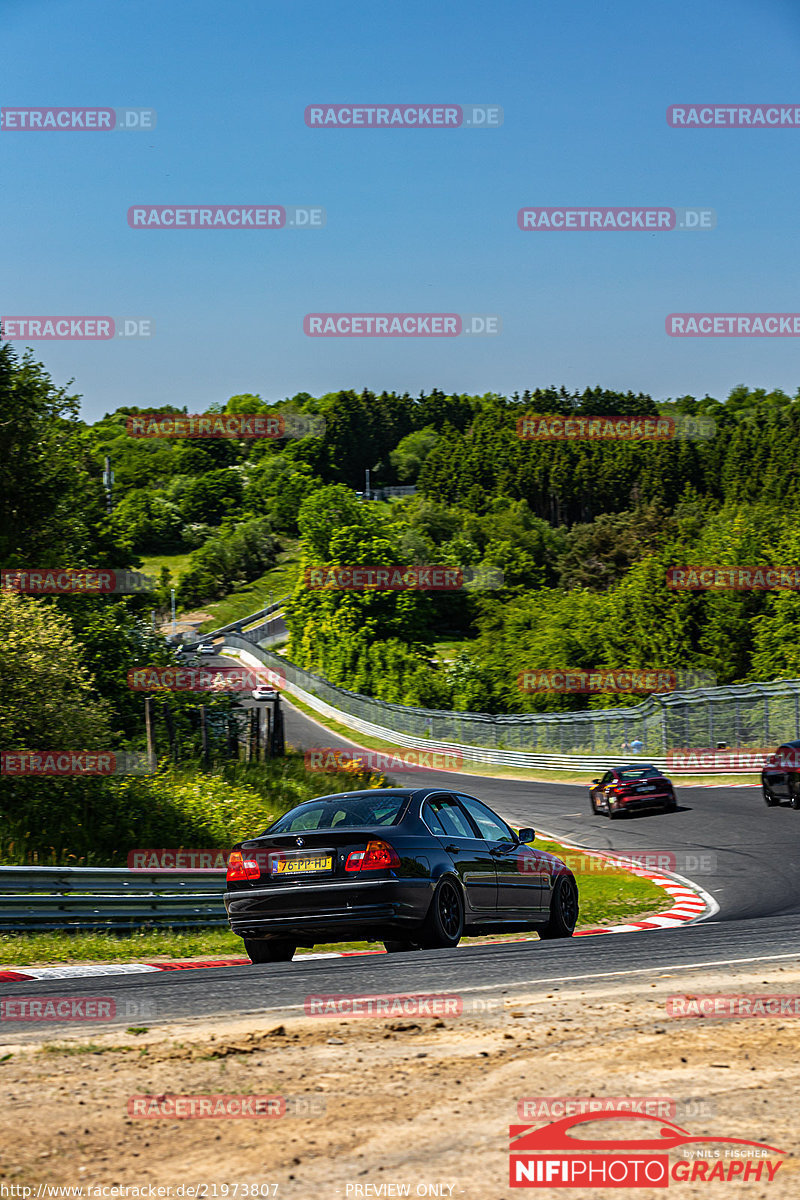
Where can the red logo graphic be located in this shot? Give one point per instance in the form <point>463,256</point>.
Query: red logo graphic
<point>551,1156</point>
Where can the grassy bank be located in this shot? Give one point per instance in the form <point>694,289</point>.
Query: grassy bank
<point>276,582</point>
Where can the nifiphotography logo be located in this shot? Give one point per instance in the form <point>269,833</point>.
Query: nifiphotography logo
<point>553,1156</point>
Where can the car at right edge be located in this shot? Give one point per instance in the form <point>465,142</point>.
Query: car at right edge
<point>632,788</point>
<point>780,776</point>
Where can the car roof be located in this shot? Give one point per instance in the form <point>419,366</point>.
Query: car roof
<point>369,793</point>
<point>636,766</point>
<point>362,794</point>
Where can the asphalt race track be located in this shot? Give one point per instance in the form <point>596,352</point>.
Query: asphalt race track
<point>753,873</point>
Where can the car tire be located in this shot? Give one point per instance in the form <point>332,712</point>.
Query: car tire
<point>595,809</point>
<point>260,950</point>
<point>444,924</point>
<point>794,793</point>
<point>615,813</point>
<point>393,947</point>
<point>770,800</point>
<point>671,805</point>
<point>563,911</point>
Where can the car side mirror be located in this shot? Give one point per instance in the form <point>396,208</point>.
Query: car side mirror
<point>526,835</point>
<point>595,781</point>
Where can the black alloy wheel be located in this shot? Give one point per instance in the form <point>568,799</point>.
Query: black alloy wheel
<point>563,910</point>
<point>444,924</point>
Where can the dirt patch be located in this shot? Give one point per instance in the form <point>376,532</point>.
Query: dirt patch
<point>419,1103</point>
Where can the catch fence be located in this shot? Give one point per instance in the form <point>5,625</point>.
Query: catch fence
<point>753,715</point>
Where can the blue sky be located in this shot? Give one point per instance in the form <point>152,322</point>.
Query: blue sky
<point>417,220</point>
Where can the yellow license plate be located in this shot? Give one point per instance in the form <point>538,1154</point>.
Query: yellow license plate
<point>293,866</point>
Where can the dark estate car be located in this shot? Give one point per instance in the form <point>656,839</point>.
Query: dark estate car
<point>628,789</point>
<point>780,775</point>
<point>412,868</point>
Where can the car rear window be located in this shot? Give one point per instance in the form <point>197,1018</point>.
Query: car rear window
<point>640,773</point>
<point>347,811</point>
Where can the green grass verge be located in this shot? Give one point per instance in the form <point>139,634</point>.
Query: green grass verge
<point>446,652</point>
<point>176,563</point>
<point>605,899</point>
<point>277,581</point>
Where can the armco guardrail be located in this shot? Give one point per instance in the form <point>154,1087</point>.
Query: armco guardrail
<point>82,898</point>
<point>245,623</point>
<point>758,715</point>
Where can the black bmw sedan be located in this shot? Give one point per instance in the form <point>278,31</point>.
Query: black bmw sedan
<point>412,868</point>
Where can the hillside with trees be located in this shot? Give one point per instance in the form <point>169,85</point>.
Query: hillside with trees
<point>582,531</point>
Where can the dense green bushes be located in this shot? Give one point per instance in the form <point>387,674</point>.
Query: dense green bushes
<point>97,822</point>
<point>234,557</point>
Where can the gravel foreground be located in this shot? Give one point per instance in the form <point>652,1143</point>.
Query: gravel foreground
<point>416,1106</point>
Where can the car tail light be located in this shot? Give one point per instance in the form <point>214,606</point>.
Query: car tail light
<point>378,856</point>
<point>240,867</point>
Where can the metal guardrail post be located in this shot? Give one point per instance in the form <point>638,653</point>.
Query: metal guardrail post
<point>150,731</point>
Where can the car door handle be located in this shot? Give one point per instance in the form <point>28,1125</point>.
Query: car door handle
<point>452,849</point>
